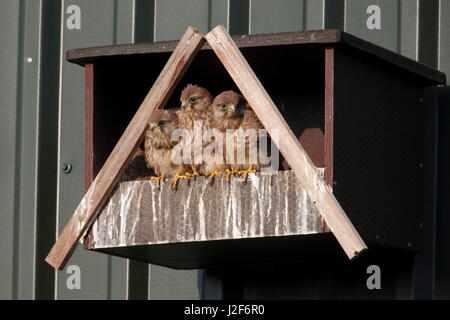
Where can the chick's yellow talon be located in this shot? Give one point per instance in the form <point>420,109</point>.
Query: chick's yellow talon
<point>175,180</point>
<point>158,180</point>
<point>246,172</point>
<point>229,173</point>
<point>189,175</point>
<point>213,174</point>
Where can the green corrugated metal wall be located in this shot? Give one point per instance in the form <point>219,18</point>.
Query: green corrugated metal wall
<point>42,115</point>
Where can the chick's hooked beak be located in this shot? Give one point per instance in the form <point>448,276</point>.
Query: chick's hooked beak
<point>232,107</point>
<point>152,126</point>
<point>184,104</point>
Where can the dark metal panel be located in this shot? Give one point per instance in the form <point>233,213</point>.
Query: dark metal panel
<point>444,36</point>
<point>326,278</point>
<point>424,263</point>
<point>334,14</point>
<point>280,282</point>
<point>144,21</point>
<point>267,16</point>
<point>172,17</point>
<point>10,142</point>
<point>442,284</point>
<point>238,17</point>
<point>395,277</point>
<point>137,285</point>
<point>47,153</point>
<point>210,285</point>
<point>428,32</point>
<point>378,149</point>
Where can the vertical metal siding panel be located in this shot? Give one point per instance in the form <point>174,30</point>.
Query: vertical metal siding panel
<point>442,231</point>
<point>424,262</point>
<point>97,28</point>
<point>444,37</point>
<point>123,28</point>
<point>47,151</point>
<point>169,284</point>
<point>408,34</point>
<point>268,16</point>
<point>9,37</point>
<point>399,24</point>
<point>428,32</point>
<point>117,278</point>
<point>144,20</point>
<point>137,280</point>
<point>30,97</point>
<point>356,19</point>
<point>314,15</point>
<point>238,17</point>
<point>286,281</point>
<point>173,17</point>
<point>218,13</point>
<point>133,23</point>
<point>334,14</point>
<point>210,284</point>
<point>171,20</point>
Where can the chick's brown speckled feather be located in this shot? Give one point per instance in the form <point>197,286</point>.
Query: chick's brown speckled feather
<point>158,144</point>
<point>195,102</point>
<point>231,111</point>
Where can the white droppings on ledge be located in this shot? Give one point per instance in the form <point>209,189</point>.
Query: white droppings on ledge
<point>266,205</point>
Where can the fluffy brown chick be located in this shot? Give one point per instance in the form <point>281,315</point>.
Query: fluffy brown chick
<point>231,111</point>
<point>195,103</point>
<point>158,144</point>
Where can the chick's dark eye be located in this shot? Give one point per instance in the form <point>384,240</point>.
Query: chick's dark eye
<point>161,123</point>
<point>193,100</point>
<point>223,106</point>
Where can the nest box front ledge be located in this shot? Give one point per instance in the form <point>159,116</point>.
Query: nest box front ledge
<point>140,218</point>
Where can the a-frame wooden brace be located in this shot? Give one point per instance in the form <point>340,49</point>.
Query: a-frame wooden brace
<point>246,80</point>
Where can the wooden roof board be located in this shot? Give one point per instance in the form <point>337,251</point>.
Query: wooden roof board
<point>321,37</point>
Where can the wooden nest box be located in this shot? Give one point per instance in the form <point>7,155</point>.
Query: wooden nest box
<point>351,129</point>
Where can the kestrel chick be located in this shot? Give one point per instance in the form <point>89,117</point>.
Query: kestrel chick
<point>158,144</point>
<point>231,111</point>
<point>195,103</point>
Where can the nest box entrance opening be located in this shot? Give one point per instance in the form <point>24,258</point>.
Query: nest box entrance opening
<point>121,84</point>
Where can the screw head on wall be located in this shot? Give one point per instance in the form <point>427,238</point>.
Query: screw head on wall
<point>66,167</point>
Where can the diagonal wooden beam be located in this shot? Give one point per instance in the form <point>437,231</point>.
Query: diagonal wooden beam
<point>319,192</point>
<point>111,171</point>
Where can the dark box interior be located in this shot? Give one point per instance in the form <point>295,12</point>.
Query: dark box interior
<point>121,84</point>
